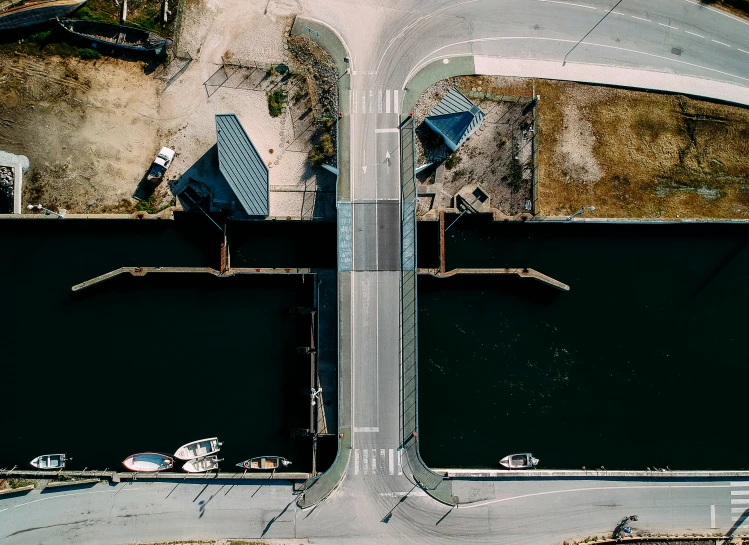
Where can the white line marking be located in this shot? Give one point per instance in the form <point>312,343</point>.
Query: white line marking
<point>365,462</point>
<point>694,34</point>
<point>396,104</point>
<point>740,483</point>
<point>356,461</point>
<point>738,509</point>
<point>391,462</point>
<point>382,460</point>
<point>1,510</point>
<point>354,102</point>
<point>739,492</point>
<point>379,101</point>
<point>721,43</point>
<point>412,494</point>
<point>591,489</point>
<point>394,129</point>
<point>371,100</point>
<point>567,3</point>
<point>740,502</point>
<point>701,5</point>
<point>734,519</point>
<point>364,102</point>
<point>747,52</point>
<point>641,18</point>
<point>669,26</point>
<point>387,101</point>
<point>400,463</point>
<point>367,429</point>
<point>712,516</point>
<point>374,461</point>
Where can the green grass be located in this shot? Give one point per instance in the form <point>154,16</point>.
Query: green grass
<point>89,54</point>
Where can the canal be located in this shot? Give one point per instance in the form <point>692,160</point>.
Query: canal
<point>643,363</point>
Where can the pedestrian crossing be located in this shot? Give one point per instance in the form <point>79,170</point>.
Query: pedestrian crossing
<point>375,101</point>
<point>740,504</point>
<point>377,461</point>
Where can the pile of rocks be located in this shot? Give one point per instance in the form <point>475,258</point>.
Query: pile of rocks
<point>6,190</point>
<point>322,78</point>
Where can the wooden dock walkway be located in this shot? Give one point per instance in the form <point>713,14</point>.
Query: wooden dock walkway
<point>522,273</point>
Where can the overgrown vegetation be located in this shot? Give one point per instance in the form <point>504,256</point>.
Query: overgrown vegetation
<point>276,101</point>
<point>452,161</point>
<point>88,54</point>
<point>148,205</point>
<point>324,146</point>
<point>19,483</point>
<point>514,176</point>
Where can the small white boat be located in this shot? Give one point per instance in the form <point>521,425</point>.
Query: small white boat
<point>148,462</point>
<point>519,461</point>
<point>265,462</point>
<point>198,449</point>
<point>50,461</point>
<point>202,464</point>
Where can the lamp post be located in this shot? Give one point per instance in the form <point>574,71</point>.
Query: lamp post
<point>47,211</point>
<point>582,211</point>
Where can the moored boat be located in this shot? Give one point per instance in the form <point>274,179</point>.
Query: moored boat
<point>265,462</point>
<point>519,461</point>
<point>126,37</point>
<point>202,464</point>
<point>199,448</point>
<point>22,14</point>
<point>50,461</point>
<point>148,462</point>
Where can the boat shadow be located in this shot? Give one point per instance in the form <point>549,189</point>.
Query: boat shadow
<point>68,488</point>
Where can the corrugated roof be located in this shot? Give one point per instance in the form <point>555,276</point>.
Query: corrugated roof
<point>455,118</point>
<point>242,166</point>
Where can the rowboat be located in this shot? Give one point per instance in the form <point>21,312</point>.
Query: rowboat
<point>126,37</point>
<point>148,462</point>
<point>519,461</point>
<point>22,14</point>
<point>197,449</point>
<point>202,464</point>
<point>264,462</point>
<point>50,461</point>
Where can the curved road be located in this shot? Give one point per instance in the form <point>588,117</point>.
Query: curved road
<point>676,44</point>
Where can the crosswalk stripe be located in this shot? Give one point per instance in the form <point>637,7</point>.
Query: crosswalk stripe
<point>400,467</point>
<point>740,483</point>
<point>365,462</point>
<point>382,460</point>
<point>371,100</point>
<point>374,461</point>
<point>396,105</point>
<point>387,101</point>
<point>354,102</point>
<point>734,519</point>
<point>379,101</point>
<point>740,502</point>
<point>391,465</point>
<point>356,461</point>
<point>737,509</point>
<point>739,492</point>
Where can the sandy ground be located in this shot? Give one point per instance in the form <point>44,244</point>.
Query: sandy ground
<point>92,128</point>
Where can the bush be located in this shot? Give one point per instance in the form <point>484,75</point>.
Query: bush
<point>40,37</point>
<point>276,100</point>
<point>452,161</point>
<point>88,54</point>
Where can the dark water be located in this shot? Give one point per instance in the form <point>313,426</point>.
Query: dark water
<point>147,364</point>
<point>643,363</point>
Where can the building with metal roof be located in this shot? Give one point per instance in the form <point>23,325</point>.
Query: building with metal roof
<point>241,165</point>
<point>454,118</point>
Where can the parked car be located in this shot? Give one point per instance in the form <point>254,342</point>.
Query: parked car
<point>159,165</point>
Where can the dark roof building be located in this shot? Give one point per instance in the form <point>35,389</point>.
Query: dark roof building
<point>454,118</point>
<point>242,166</point>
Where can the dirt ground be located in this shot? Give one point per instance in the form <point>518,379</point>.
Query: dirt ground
<point>636,154</point>
<point>502,141</point>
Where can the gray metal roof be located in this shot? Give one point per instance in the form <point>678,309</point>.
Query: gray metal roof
<point>455,118</point>
<point>242,166</point>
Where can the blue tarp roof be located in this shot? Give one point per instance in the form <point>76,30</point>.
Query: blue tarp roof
<point>242,166</point>
<point>455,118</point>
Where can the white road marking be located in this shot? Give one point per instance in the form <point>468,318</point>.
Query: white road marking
<point>747,52</point>
<point>694,34</point>
<point>379,101</point>
<point>371,100</point>
<point>387,101</point>
<point>740,502</point>
<point>669,26</point>
<point>641,18</point>
<point>396,104</point>
<point>701,5</point>
<point>1,510</point>
<point>734,519</point>
<point>354,102</point>
<point>382,460</point>
<point>712,516</point>
<point>412,494</point>
<point>738,509</point>
<point>367,429</point>
<point>740,483</point>
<point>365,461</point>
<point>356,461</point>
<point>591,489</point>
<point>567,3</point>
<point>400,466</point>
<point>364,102</point>
<point>374,461</point>
<point>393,129</point>
<point>391,462</point>
<point>721,43</point>
<point>739,492</point>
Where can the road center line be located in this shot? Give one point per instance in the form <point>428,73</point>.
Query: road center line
<point>394,129</point>
<point>642,19</point>
<point>366,429</point>
<point>721,43</point>
<point>747,52</point>
<point>693,34</point>
<point>668,26</point>
<point>567,3</point>
<point>592,489</point>
<point>712,516</point>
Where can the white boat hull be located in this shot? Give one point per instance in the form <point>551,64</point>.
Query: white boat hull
<point>201,465</point>
<point>265,462</point>
<point>198,449</point>
<point>148,462</point>
<point>50,461</point>
<point>519,461</point>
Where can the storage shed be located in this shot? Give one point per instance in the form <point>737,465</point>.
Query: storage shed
<point>454,118</point>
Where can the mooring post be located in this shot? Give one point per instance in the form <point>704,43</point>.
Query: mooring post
<point>123,14</point>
